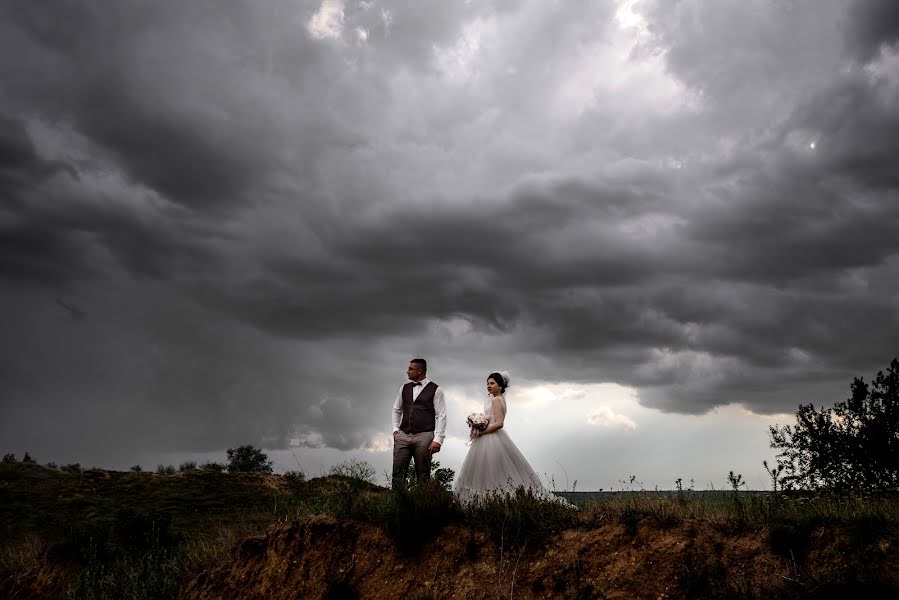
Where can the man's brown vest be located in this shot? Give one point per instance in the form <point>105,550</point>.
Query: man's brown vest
<point>418,416</point>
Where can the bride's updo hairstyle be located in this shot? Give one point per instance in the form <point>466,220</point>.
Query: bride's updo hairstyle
<point>500,380</point>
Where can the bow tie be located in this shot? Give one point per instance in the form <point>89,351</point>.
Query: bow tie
<point>414,383</point>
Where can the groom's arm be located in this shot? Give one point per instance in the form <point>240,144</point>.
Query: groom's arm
<point>398,411</point>
<point>439,420</point>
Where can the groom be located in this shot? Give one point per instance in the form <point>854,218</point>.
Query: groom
<point>419,423</point>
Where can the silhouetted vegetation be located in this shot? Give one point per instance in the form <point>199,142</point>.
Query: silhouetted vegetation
<point>852,446</point>
<point>248,459</point>
<point>354,469</point>
<point>214,467</point>
<point>415,514</point>
<point>296,478</point>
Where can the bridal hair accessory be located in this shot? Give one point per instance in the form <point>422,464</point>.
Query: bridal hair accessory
<point>506,379</point>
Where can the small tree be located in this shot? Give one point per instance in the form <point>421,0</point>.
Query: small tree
<point>27,459</point>
<point>9,457</point>
<point>247,459</point>
<point>854,445</point>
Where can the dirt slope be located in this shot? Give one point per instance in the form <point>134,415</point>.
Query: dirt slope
<point>324,558</point>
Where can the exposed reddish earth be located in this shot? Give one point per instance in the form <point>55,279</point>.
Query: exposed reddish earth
<point>321,557</point>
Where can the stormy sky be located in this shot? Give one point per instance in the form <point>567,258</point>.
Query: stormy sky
<point>235,222</point>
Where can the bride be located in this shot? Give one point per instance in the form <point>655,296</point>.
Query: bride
<point>494,464</point>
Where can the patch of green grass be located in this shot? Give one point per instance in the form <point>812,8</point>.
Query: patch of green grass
<point>520,519</point>
<point>742,511</point>
<point>414,515</point>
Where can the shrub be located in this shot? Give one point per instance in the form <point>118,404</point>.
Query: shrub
<point>72,468</point>
<point>136,469</point>
<point>248,459</point>
<point>443,475</point>
<point>52,465</point>
<point>165,469</point>
<point>354,469</point>
<point>215,467</point>
<point>854,445</point>
<point>295,478</point>
<point>9,457</point>
<point>415,515</point>
<point>27,459</point>
<point>352,478</point>
<point>520,518</point>
<point>188,465</point>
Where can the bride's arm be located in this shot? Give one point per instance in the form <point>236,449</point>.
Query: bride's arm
<point>499,416</point>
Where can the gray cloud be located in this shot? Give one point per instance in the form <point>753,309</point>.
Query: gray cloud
<point>872,25</point>
<point>261,226</point>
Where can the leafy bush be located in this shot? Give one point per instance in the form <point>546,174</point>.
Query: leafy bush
<point>443,475</point>
<point>71,468</point>
<point>136,469</point>
<point>52,465</point>
<point>188,465</point>
<point>248,459</point>
<point>854,445</point>
<point>295,478</point>
<point>214,467</point>
<point>9,457</point>
<point>165,469</point>
<point>27,459</point>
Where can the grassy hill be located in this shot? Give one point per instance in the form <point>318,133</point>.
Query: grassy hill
<point>199,534</point>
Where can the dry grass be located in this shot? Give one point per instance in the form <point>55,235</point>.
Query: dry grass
<point>742,509</point>
<point>21,556</point>
<point>207,516</point>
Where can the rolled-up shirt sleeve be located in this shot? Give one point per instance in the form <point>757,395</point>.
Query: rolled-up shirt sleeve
<point>398,410</point>
<point>439,416</point>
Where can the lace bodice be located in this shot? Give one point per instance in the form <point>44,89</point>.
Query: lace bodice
<point>488,407</point>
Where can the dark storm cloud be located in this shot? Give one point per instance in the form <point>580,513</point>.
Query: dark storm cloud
<point>872,25</point>
<point>261,226</point>
<point>161,110</point>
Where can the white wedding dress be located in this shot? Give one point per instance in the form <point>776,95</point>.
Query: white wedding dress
<point>495,465</point>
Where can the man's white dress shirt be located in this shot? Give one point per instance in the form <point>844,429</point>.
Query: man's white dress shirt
<point>439,409</point>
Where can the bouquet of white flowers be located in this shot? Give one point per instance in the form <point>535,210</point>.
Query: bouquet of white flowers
<point>478,421</point>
